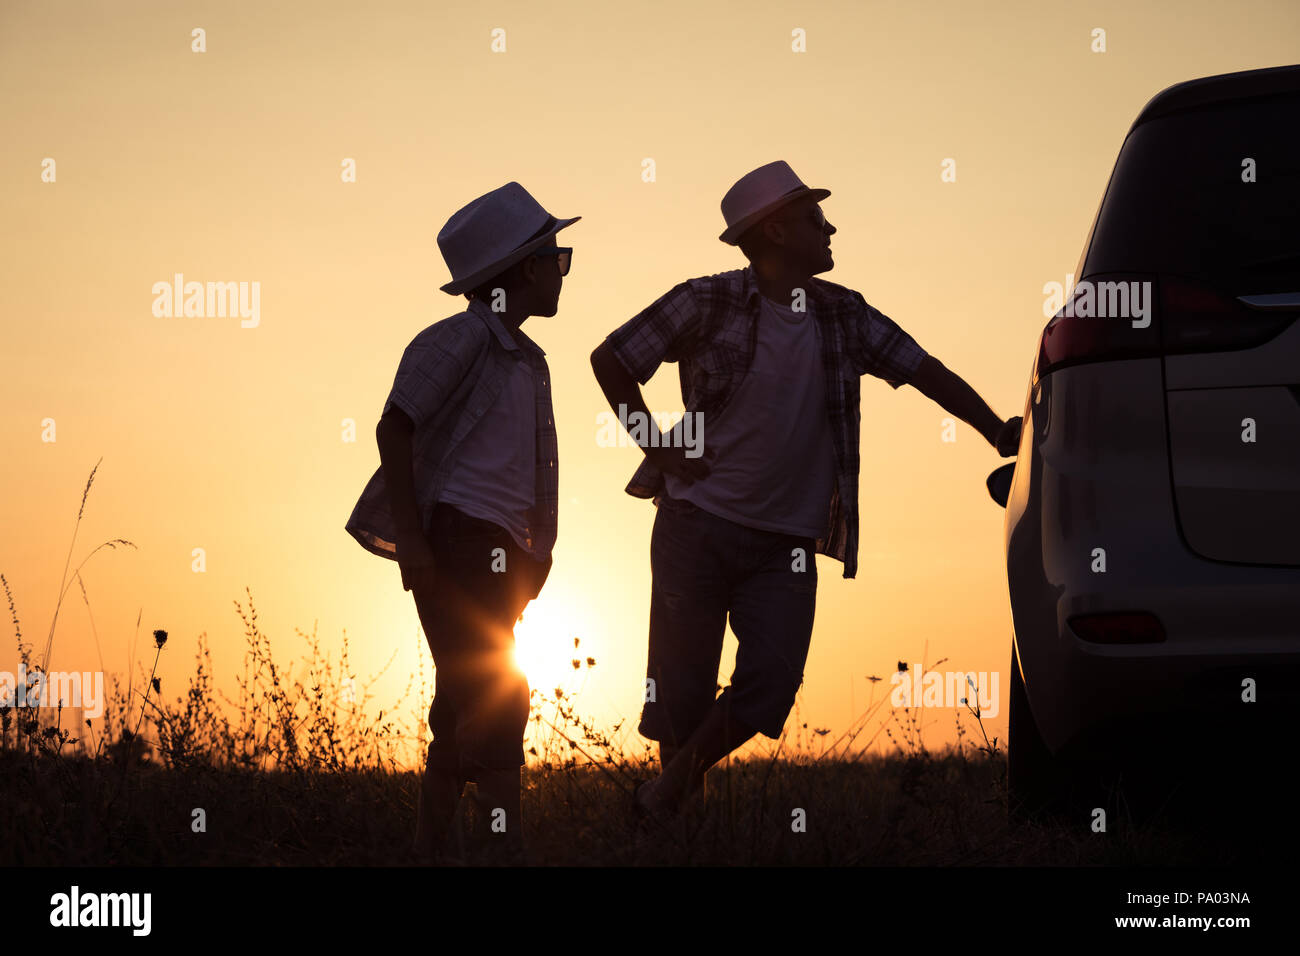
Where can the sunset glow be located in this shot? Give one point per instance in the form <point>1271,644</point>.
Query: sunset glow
<point>234,446</point>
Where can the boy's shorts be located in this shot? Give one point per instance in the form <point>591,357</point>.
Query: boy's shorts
<point>481,697</point>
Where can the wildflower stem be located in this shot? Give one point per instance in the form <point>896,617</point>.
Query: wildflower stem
<point>148,687</point>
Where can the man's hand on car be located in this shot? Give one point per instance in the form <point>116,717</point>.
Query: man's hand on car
<point>1008,439</point>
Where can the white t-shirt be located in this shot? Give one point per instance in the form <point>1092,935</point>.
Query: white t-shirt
<point>495,469</point>
<point>772,461</point>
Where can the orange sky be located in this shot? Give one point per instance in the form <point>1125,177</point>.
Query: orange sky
<point>225,166</point>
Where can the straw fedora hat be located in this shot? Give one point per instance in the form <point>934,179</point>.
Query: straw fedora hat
<point>492,233</point>
<point>759,193</point>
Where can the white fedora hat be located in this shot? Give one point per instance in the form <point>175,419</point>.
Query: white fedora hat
<point>492,233</point>
<point>758,193</point>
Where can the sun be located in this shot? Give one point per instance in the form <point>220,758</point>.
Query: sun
<point>544,648</point>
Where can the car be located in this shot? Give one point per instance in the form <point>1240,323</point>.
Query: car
<point>1152,527</point>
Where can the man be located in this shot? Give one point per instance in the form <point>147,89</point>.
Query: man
<point>770,359</point>
<point>466,496</point>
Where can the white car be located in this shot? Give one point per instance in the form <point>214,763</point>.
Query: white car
<point>1153,510</point>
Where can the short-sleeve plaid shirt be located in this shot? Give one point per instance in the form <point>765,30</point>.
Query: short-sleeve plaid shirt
<point>708,326</point>
<point>447,379</point>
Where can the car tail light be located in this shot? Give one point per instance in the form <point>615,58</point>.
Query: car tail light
<point>1185,316</point>
<point>1078,334</point>
<point>1197,318</point>
<point>1120,627</point>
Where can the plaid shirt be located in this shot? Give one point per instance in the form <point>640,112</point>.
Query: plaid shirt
<point>708,326</point>
<point>448,378</point>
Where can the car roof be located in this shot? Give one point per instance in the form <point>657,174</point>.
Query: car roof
<point>1206,90</point>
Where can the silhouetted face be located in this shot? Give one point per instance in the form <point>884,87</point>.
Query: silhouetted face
<point>547,281</point>
<point>807,236</point>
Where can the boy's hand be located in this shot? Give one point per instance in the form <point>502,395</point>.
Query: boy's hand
<point>415,558</point>
<point>1008,438</point>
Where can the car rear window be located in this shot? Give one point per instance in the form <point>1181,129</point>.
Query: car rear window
<point>1177,203</point>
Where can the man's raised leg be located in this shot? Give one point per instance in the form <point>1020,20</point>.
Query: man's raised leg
<point>700,789</point>
<point>717,736</point>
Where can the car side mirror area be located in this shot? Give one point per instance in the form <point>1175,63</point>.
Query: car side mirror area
<point>999,483</point>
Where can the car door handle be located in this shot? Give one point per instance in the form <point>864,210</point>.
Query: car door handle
<point>1272,302</point>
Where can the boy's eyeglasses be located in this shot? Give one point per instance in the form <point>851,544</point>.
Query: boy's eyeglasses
<point>563,254</point>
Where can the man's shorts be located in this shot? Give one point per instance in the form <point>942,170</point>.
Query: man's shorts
<point>704,569</point>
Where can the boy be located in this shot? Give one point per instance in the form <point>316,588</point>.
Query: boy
<point>466,496</point>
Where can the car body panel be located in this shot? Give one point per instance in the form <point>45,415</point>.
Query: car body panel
<point>1133,490</point>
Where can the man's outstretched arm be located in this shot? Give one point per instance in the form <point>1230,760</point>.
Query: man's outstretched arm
<point>935,381</point>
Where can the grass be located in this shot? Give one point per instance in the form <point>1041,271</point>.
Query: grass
<point>287,775</point>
